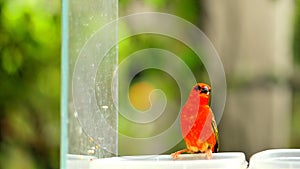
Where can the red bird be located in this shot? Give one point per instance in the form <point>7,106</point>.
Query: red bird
<point>198,125</point>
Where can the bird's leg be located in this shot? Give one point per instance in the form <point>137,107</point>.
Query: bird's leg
<point>208,154</point>
<point>175,155</point>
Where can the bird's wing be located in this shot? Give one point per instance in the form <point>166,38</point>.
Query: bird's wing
<point>215,129</point>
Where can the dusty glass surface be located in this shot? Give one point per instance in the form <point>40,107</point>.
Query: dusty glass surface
<point>89,59</point>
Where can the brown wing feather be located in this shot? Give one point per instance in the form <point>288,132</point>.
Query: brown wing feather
<point>215,129</point>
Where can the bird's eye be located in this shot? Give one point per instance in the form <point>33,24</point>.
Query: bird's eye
<point>197,88</point>
<point>205,90</point>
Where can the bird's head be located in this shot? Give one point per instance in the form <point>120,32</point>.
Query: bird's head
<point>203,90</point>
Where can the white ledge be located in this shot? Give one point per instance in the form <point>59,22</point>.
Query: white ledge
<point>194,161</point>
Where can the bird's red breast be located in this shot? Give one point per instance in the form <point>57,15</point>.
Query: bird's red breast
<point>198,126</point>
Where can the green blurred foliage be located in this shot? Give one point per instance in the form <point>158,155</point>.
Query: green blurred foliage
<point>295,129</point>
<point>296,37</point>
<point>188,9</point>
<point>30,83</point>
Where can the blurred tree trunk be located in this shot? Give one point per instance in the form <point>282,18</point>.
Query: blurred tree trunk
<point>253,39</point>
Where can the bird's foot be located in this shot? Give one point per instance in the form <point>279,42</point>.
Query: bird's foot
<point>208,154</point>
<point>176,154</point>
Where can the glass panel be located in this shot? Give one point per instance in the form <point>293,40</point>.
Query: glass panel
<point>89,95</point>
